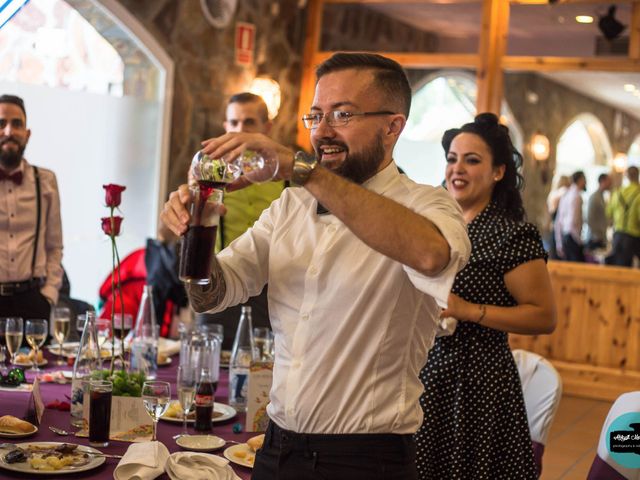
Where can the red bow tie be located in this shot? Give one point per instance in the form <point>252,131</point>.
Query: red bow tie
<point>14,177</point>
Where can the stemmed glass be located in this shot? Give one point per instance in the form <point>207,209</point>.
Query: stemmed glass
<point>61,328</point>
<point>13,336</point>
<point>156,396</point>
<point>3,349</point>
<point>103,327</point>
<point>186,393</point>
<point>35,332</point>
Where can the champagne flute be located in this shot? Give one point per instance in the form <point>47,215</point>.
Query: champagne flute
<point>13,336</point>
<point>3,350</point>
<point>35,331</point>
<point>156,396</point>
<point>103,327</point>
<point>186,393</point>
<point>61,328</point>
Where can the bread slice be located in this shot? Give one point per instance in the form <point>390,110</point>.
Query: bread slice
<point>255,443</point>
<point>11,424</point>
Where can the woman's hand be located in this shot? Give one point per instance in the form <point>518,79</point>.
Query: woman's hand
<point>461,309</point>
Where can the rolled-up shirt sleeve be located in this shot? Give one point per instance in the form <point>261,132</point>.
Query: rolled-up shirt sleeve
<point>439,208</point>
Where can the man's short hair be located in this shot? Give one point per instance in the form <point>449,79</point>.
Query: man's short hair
<point>602,177</point>
<point>389,75</point>
<point>6,98</point>
<point>577,176</point>
<point>632,174</point>
<point>247,97</point>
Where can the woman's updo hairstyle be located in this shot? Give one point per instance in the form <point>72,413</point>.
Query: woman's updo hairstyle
<point>506,192</point>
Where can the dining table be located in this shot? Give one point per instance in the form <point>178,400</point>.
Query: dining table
<point>16,403</point>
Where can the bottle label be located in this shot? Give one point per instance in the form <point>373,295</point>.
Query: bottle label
<point>238,387</point>
<point>203,400</point>
<point>78,387</point>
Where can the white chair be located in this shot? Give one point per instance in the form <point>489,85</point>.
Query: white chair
<point>603,466</point>
<point>542,389</point>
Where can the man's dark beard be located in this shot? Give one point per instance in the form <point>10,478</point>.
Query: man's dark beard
<point>360,167</point>
<point>10,159</point>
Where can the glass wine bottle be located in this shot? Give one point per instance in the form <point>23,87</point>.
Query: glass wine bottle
<point>144,346</point>
<point>87,361</point>
<point>242,354</point>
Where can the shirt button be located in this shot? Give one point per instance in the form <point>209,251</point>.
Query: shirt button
<point>305,316</point>
<point>12,259</point>
<point>296,364</point>
<point>290,412</point>
<point>332,229</point>
<point>313,270</point>
<point>12,215</point>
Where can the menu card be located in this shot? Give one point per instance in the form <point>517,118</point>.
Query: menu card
<point>35,407</point>
<point>260,379</point>
<point>130,422</point>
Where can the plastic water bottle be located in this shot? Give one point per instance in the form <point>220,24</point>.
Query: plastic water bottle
<point>144,347</point>
<point>87,361</point>
<point>242,354</point>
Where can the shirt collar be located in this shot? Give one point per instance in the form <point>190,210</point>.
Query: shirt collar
<point>382,180</point>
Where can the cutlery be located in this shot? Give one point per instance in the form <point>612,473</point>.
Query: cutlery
<point>7,445</point>
<point>100,454</point>
<point>60,431</point>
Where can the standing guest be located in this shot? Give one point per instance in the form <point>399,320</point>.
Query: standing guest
<point>349,289</point>
<point>30,226</point>
<point>568,226</point>
<point>247,113</point>
<point>475,424</point>
<point>624,208</point>
<point>597,215</point>
<point>553,199</point>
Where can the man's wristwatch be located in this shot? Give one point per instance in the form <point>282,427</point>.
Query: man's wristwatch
<point>303,164</point>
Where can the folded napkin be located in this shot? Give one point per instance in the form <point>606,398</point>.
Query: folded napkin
<point>142,461</point>
<point>199,466</point>
<point>168,347</point>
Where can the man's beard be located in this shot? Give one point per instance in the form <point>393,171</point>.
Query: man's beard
<point>361,166</point>
<point>10,159</point>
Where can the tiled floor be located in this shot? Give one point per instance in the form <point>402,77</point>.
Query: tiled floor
<point>573,439</point>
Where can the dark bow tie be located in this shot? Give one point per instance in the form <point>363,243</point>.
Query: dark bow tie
<point>320,210</point>
<point>14,177</point>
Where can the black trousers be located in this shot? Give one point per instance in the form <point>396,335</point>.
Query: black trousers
<point>29,304</point>
<point>624,248</point>
<point>287,455</point>
<point>572,250</point>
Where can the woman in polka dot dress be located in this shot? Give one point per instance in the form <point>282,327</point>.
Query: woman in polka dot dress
<point>475,423</point>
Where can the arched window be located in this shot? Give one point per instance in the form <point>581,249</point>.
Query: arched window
<point>95,85</point>
<point>583,145</point>
<point>443,100</point>
<point>633,156</point>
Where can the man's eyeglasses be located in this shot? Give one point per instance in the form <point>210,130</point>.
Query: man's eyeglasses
<point>336,118</point>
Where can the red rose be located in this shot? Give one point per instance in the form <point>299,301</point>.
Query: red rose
<point>112,231</point>
<point>112,194</point>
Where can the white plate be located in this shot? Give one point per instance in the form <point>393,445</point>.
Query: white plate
<point>25,467</point>
<point>201,443</point>
<point>230,454</point>
<point>225,410</point>
<point>68,348</point>
<point>18,435</point>
<point>30,364</point>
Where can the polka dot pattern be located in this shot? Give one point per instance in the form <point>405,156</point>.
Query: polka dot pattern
<point>475,422</point>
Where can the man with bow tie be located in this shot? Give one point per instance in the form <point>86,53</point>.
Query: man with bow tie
<point>30,226</point>
<point>354,293</point>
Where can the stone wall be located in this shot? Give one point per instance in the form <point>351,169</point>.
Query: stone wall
<point>206,73</point>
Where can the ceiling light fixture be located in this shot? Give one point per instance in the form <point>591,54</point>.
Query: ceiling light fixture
<point>629,87</point>
<point>584,19</point>
<point>609,26</point>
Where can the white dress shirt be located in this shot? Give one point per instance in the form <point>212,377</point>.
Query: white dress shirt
<point>569,218</point>
<point>18,229</point>
<point>352,326</point>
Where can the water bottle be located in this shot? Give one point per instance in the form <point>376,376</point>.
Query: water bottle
<point>242,354</point>
<point>144,347</point>
<point>87,361</point>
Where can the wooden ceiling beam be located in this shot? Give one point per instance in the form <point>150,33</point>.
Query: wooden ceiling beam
<point>419,60</point>
<point>634,32</point>
<point>557,64</point>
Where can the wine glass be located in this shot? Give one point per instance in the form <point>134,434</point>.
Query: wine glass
<point>61,328</point>
<point>35,331</point>
<point>186,393</point>
<point>13,336</point>
<point>3,343</point>
<point>156,396</point>
<point>103,327</point>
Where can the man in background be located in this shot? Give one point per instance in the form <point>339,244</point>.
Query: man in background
<point>624,208</point>
<point>246,113</point>
<point>568,225</point>
<point>30,225</point>
<point>597,215</point>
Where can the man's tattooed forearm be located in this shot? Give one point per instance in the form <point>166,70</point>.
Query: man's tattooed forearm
<point>206,297</point>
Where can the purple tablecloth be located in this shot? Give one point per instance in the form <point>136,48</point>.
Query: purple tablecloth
<point>15,403</point>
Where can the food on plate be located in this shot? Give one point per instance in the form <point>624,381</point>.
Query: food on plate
<point>48,457</point>
<point>225,357</point>
<point>175,411</point>
<point>28,358</point>
<point>162,358</point>
<point>245,455</point>
<point>255,443</point>
<point>11,424</point>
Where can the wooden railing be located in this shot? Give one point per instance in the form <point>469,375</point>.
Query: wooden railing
<point>596,344</point>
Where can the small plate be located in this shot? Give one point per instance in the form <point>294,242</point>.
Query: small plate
<point>240,454</point>
<point>18,435</point>
<point>30,364</point>
<point>68,348</point>
<point>221,412</point>
<point>201,443</point>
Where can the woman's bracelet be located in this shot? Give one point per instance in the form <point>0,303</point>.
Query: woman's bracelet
<point>483,312</point>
